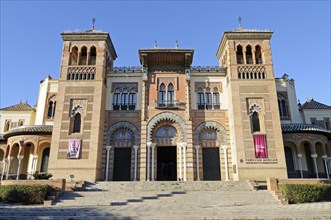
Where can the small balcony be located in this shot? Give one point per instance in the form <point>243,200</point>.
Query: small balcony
<point>170,104</point>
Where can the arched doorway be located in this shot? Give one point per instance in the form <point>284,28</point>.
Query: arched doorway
<point>2,156</point>
<point>309,168</point>
<point>122,152</point>
<point>44,160</point>
<point>166,153</point>
<point>289,159</point>
<point>209,137</point>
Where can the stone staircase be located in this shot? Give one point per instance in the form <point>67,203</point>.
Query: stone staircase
<point>160,193</point>
<point>166,200</point>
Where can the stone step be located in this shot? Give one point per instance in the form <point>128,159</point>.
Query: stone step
<point>175,185</point>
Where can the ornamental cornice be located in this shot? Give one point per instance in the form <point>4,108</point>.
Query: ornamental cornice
<point>84,37</point>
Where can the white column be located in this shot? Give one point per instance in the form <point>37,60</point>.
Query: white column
<point>180,161</point>
<point>225,150</point>
<point>314,156</point>
<point>19,157</point>
<point>212,100</point>
<point>34,163</point>
<point>148,159</point>
<point>4,162</point>
<point>135,147</point>
<point>8,167</point>
<point>197,160</point>
<point>325,159</point>
<point>108,148</point>
<point>184,159</point>
<point>153,158</point>
<point>300,164</point>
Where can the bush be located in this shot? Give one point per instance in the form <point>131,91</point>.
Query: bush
<point>42,176</point>
<point>26,194</point>
<point>298,193</point>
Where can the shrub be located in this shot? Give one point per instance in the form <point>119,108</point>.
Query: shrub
<point>27,194</point>
<point>299,193</point>
<point>42,176</point>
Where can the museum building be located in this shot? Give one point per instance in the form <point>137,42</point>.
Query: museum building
<point>166,120</point>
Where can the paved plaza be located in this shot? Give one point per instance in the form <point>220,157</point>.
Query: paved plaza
<point>233,201</point>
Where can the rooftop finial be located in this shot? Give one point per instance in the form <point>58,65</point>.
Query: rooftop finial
<point>93,21</point>
<point>177,45</point>
<point>155,44</point>
<point>240,24</point>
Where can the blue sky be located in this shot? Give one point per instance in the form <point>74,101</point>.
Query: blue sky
<point>31,45</point>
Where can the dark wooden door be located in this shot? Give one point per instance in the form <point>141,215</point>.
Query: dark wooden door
<point>211,164</point>
<point>166,163</point>
<point>122,164</point>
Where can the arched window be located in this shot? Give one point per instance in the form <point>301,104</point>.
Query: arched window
<point>249,55</point>
<point>93,56</point>
<point>132,99</point>
<point>283,108</point>
<point>162,96</point>
<point>201,99</point>
<point>73,56</point>
<point>50,109</point>
<point>170,94</point>
<point>216,99</point>
<point>240,57</point>
<point>7,126</point>
<point>255,122</point>
<point>208,99</point>
<point>124,99</point>
<point>44,160</point>
<point>258,55</point>
<point>166,132</point>
<point>83,56</point>
<point>77,123</point>
<point>123,135</point>
<point>116,99</point>
<point>208,135</point>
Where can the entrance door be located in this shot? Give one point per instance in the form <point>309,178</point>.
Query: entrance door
<point>166,163</point>
<point>122,164</point>
<point>211,164</point>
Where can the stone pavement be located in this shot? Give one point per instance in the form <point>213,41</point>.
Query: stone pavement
<point>217,200</point>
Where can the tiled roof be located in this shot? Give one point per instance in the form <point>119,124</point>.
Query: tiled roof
<point>304,128</point>
<point>22,106</point>
<point>312,104</point>
<point>30,129</point>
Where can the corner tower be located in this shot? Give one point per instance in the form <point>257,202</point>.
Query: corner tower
<point>255,130</point>
<point>78,129</point>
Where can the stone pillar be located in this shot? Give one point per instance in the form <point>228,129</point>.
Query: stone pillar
<point>179,146</point>
<point>314,156</point>
<point>184,159</point>
<point>325,159</point>
<point>135,147</point>
<point>225,150</point>
<point>19,157</point>
<point>8,167</point>
<point>108,148</point>
<point>149,144</point>
<point>153,159</point>
<point>300,164</point>
<point>34,163</point>
<point>4,164</point>
<point>197,161</point>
